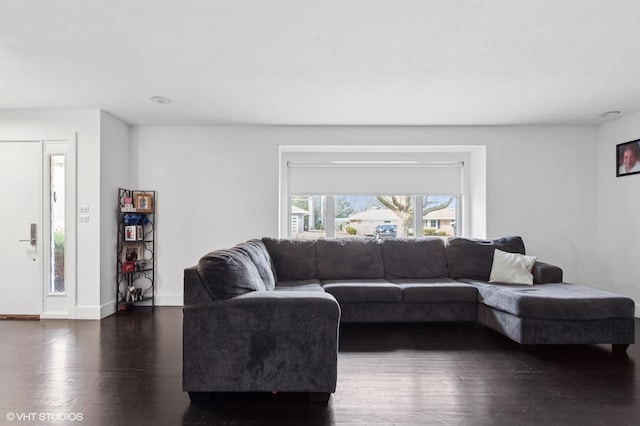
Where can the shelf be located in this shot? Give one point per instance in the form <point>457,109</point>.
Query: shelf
<point>137,271</point>
<point>143,280</point>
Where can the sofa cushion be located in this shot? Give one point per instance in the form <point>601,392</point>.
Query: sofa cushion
<point>349,259</point>
<point>560,301</point>
<point>257,252</point>
<point>229,273</point>
<point>434,290</point>
<point>511,268</point>
<point>292,259</point>
<point>301,285</point>
<point>472,258</point>
<point>357,291</point>
<point>414,258</point>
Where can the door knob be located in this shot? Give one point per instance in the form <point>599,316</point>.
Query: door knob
<point>34,235</point>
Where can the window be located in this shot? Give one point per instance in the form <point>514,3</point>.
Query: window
<point>372,216</point>
<point>341,182</point>
<point>57,223</point>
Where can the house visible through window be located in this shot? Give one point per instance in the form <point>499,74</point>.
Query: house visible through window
<point>372,216</point>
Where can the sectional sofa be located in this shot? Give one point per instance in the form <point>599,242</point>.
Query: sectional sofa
<point>265,314</point>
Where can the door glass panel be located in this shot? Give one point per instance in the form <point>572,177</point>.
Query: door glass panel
<point>57,216</point>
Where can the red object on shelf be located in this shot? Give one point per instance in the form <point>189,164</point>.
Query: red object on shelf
<point>128,266</point>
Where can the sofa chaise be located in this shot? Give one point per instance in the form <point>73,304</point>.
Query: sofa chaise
<point>265,314</point>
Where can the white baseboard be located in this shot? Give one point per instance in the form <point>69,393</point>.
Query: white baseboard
<point>89,313</point>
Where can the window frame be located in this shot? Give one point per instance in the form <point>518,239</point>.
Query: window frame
<point>472,196</point>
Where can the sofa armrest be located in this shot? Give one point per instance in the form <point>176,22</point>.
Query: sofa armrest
<point>546,273</point>
<point>261,342</point>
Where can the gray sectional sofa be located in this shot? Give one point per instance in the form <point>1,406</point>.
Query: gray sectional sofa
<point>264,315</point>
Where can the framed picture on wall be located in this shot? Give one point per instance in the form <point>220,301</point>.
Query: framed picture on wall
<point>628,158</point>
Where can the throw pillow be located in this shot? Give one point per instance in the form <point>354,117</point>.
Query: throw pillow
<point>511,268</point>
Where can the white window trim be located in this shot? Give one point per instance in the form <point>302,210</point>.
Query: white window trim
<point>471,220</point>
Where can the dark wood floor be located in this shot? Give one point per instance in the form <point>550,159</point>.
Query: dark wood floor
<point>127,370</point>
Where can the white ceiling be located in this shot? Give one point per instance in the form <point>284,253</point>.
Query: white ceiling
<point>331,62</point>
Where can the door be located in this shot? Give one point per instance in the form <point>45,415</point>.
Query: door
<point>21,273</point>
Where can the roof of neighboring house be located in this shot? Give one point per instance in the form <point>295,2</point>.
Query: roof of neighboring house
<point>442,214</point>
<point>388,215</point>
<point>374,214</point>
<point>298,210</point>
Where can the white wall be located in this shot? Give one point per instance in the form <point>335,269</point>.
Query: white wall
<point>218,186</point>
<point>115,172</point>
<point>618,213</point>
<point>65,124</point>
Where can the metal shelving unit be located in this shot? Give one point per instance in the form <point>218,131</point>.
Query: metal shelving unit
<point>135,257</point>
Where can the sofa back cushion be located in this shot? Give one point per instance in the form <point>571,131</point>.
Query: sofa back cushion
<point>349,259</point>
<point>229,273</point>
<point>473,258</point>
<point>414,258</point>
<point>257,252</point>
<point>293,260</point>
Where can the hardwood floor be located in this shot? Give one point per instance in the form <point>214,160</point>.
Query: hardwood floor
<point>126,370</point>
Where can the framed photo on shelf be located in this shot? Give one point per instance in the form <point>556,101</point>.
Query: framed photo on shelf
<point>128,266</point>
<point>139,233</point>
<point>132,252</point>
<point>143,202</point>
<point>130,233</point>
<point>628,158</point>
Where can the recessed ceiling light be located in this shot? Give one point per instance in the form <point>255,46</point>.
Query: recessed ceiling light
<point>610,114</point>
<point>160,100</point>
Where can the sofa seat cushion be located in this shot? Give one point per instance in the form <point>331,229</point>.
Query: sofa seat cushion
<point>435,290</point>
<point>355,291</point>
<point>472,259</point>
<point>414,258</point>
<point>292,259</point>
<point>349,259</point>
<point>229,273</point>
<point>300,285</point>
<point>562,301</point>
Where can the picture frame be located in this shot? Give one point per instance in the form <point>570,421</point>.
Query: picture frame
<point>128,266</point>
<point>132,252</point>
<point>130,233</point>
<point>143,202</point>
<point>628,158</point>
<point>139,232</point>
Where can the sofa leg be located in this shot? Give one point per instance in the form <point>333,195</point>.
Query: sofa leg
<point>319,397</point>
<point>199,396</point>
<point>619,348</point>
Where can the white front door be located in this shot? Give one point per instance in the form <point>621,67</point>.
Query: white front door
<point>21,272</point>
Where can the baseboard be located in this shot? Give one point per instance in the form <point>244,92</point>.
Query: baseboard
<point>89,313</point>
<point>109,308</point>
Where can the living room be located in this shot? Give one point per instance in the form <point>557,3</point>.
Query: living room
<point>548,176</point>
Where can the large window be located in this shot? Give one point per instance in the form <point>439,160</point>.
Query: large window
<point>412,191</point>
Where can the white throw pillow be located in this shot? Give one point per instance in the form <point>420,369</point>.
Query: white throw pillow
<point>511,268</point>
